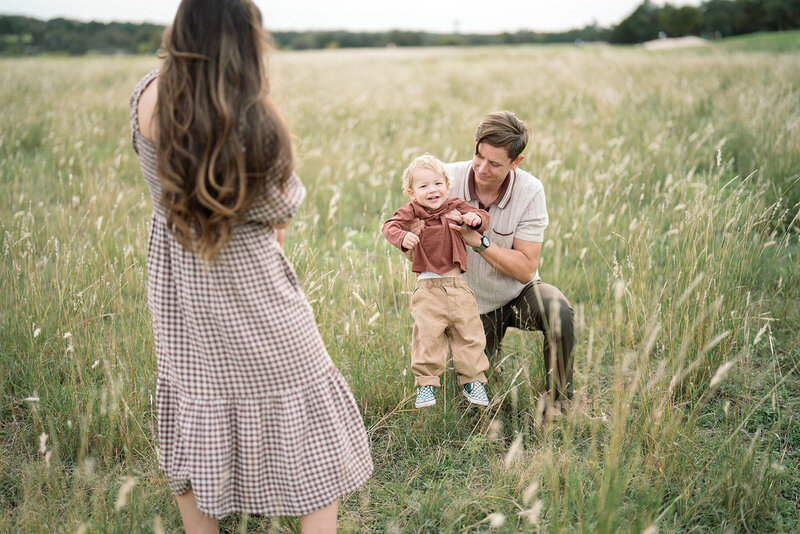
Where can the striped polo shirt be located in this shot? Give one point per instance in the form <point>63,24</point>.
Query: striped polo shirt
<point>520,212</point>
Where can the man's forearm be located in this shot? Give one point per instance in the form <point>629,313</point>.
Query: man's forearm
<point>510,262</point>
<point>519,262</point>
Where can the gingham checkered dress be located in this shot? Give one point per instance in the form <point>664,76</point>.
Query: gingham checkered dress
<point>252,413</point>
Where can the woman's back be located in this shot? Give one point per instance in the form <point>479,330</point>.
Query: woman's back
<point>252,414</point>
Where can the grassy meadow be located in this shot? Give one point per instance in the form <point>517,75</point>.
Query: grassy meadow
<point>672,189</point>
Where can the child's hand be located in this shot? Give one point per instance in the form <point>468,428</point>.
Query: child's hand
<point>410,241</point>
<point>472,219</point>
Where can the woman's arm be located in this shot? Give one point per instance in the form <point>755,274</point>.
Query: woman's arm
<point>147,111</point>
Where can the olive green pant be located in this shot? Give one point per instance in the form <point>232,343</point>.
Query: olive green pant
<point>446,316</point>
<point>543,307</point>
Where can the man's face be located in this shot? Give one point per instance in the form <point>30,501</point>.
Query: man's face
<point>491,165</point>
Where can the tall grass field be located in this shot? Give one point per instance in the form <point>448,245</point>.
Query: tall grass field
<point>672,181</point>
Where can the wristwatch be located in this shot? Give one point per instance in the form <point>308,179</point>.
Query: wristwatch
<point>483,246</point>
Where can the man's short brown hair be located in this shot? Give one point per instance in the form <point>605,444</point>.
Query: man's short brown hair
<point>503,129</point>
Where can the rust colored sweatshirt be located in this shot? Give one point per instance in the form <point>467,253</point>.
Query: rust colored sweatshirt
<point>440,248</point>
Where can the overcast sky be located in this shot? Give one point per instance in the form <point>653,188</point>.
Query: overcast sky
<point>443,16</point>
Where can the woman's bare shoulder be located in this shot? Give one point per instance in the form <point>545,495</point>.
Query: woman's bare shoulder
<point>147,111</point>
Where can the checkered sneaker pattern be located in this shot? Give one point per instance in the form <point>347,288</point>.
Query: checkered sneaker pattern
<point>426,396</point>
<point>475,392</point>
<point>252,413</point>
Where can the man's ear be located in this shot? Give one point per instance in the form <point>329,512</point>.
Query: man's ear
<point>517,162</point>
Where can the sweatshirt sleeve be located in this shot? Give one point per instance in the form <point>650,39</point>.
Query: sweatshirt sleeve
<point>463,207</point>
<point>396,228</point>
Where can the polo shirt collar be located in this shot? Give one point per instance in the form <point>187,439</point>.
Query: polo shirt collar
<point>503,195</point>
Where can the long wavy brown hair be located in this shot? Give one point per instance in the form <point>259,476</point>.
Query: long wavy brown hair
<point>221,141</point>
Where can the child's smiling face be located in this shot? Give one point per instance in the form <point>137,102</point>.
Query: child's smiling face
<point>429,189</point>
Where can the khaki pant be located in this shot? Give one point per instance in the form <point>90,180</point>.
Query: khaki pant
<point>445,313</point>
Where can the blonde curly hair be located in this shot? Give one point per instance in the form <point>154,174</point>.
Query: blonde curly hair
<point>425,161</point>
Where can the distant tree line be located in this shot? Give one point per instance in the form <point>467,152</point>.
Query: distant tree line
<point>24,35</point>
<point>713,18</point>
<point>344,39</point>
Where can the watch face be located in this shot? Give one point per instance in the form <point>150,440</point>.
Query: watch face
<point>485,241</point>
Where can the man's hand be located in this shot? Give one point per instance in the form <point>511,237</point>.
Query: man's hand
<point>410,240</point>
<point>470,236</point>
<point>416,226</point>
<point>455,216</point>
<point>472,219</point>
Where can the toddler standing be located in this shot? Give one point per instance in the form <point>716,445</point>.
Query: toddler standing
<point>443,306</point>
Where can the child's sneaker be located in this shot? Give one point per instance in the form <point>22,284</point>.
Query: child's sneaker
<point>426,396</point>
<point>475,393</point>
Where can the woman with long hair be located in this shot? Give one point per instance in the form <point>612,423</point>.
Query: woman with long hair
<point>253,417</point>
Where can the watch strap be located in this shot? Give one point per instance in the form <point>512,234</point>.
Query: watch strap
<point>483,246</point>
